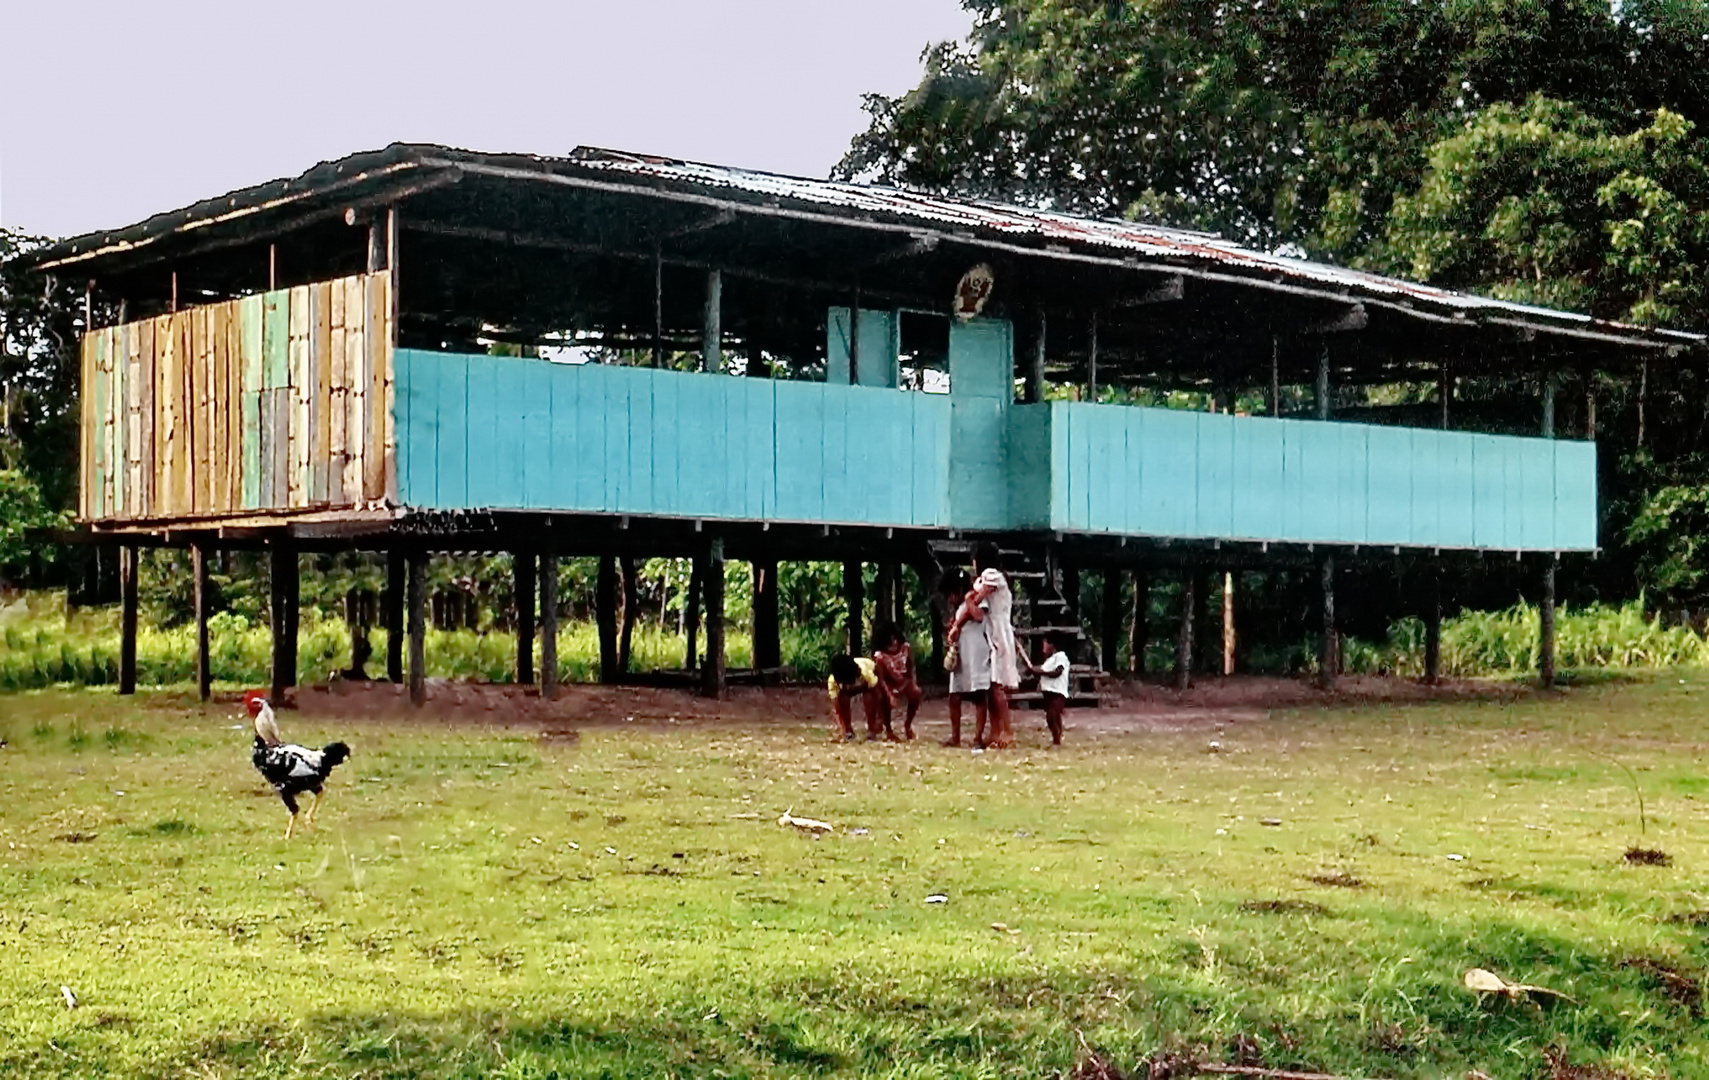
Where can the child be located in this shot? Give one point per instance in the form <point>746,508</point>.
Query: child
<point>895,660</point>
<point>853,677</point>
<point>1053,683</point>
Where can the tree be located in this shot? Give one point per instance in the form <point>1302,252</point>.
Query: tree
<point>39,322</point>
<point>1273,122</point>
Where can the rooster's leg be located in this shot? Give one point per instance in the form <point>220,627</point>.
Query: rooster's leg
<point>313,806</point>
<point>291,825</point>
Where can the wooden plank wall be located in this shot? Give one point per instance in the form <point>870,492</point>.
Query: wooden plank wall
<point>274,402</point>
<point>1169,472</point>
<point>496,432</point>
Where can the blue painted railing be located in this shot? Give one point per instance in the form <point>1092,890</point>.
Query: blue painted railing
<point>507,433</point>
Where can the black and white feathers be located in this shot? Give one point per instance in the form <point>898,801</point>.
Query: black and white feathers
<point>292,770</point>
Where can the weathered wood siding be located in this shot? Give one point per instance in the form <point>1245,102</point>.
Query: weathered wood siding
<point>1166,472</point>
<point>495,432</point>
<point>274,402</point>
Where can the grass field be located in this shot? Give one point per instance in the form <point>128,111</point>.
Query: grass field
<point>482,902</point>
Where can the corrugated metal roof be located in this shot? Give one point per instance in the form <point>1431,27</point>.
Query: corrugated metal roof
<point>1124,237</point>
<point>977,221</point>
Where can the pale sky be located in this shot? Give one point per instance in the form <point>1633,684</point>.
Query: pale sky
<point>112,110</point>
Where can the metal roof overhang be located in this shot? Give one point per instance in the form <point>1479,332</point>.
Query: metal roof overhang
<point>417,174</point>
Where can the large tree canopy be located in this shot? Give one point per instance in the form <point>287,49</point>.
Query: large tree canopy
<point>1275,122</point>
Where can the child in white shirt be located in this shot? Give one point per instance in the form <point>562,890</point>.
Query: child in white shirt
<point>1053,683</point>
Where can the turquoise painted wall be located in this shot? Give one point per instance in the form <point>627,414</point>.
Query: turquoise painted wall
<point>880,347</point>
<point>1167,472</point>
<point>509,433</point>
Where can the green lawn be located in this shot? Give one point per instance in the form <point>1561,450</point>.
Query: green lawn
<point>480,903</point>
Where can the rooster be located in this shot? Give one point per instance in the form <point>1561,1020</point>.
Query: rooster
<point>291,769</point>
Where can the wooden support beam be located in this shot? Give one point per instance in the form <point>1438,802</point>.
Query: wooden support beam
<point>1546,605</point>
<point>605,615</point>
<point>1139,629</point>
<point>712,330</point>
<point>658,306</point>
<point>1184,631</point>
<point>1035,364</point>
<point>1092,361</point>
<point>854,334</point>
<point>691,612</point>
<point>526,584</point>
<point>884,602</point>
<point>1110,610</point>
<point>712,675</point>
<point>1328,646</point>
<point>1433,625</point>
<point>854,597</point>
<point>199,601</point>
<point>415,613</point>
<point>631,605</point>
<point>768,648</point>
<point>127,618</point>
<point>1444,390</point>
<point>283,584</point>
<point>1275,375</point>
<point>395,629</point>
<point>548,625</point>
<point>1228,633</point>
<point>1071,591</point>
<point>1324,408</point>
<point>1206,629</point>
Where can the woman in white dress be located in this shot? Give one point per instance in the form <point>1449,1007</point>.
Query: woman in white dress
<point>995,600</point>
<point>971,678</point>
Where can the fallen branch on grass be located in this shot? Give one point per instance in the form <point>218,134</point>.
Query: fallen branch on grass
<point>1266,1074</point>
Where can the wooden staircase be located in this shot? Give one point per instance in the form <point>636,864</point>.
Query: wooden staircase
<point>1041,608</point>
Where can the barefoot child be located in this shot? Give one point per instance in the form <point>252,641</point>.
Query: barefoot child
<point>852,678</point>
<point>895,660</point>
<point>1052,675</point>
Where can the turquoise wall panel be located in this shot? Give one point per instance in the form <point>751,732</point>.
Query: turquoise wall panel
<point>502,433</point>
<point>1198,475</point>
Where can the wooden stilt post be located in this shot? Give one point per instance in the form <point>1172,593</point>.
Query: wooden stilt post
<point>526,583</point>
<point>631,602</point>
<point>283,590</point>
<point>127,618</point>
<point>605,614</point>
<point>199,600</point>
<point>712,331</point>
<point>1328,650</point>
<point>1139,630</point>
<point>768,649</point>
<point>1444,390</point>
<point>395,630</point>
<point>1092,365</point>
<point>1275,375</point>
<point>1205,629</point>
<point>549,625</point>
<point>1324,409</point>
<point>1110,609</point>
<point>1035,365</point>
<point>884,603</point>
<point>1546,605</point>
<point>712,675</point>
<point>1228,638</point>
<point>415,625</point>
<point>1433,626</point>
<point>691,616</point>
<point>854,596</point>
<point>1071,591</point>
<point>1184,634</point>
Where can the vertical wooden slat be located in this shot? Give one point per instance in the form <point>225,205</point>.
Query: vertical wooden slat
<point>87,431</point>
<point>136,500</point>
<point>320,419</point>
<point>184,330</point>
<point>147,389</point>
<point>103,426</point>
<point>356,392</point>
<point>388,362</point>
<point>116,357</point>
<point>166,348</point>
<point>219,491</point>
<point>252,316</point>
<point>338,409</point>
<point>297,488</point>
<point>234,404</point>
<point>374,427</point>
<point>201,386</point>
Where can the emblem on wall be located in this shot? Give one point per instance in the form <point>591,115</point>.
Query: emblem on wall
<point>972,291</point>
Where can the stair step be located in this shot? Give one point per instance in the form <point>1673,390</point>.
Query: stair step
<point>1041,631</point>
<point>1034,697</point>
